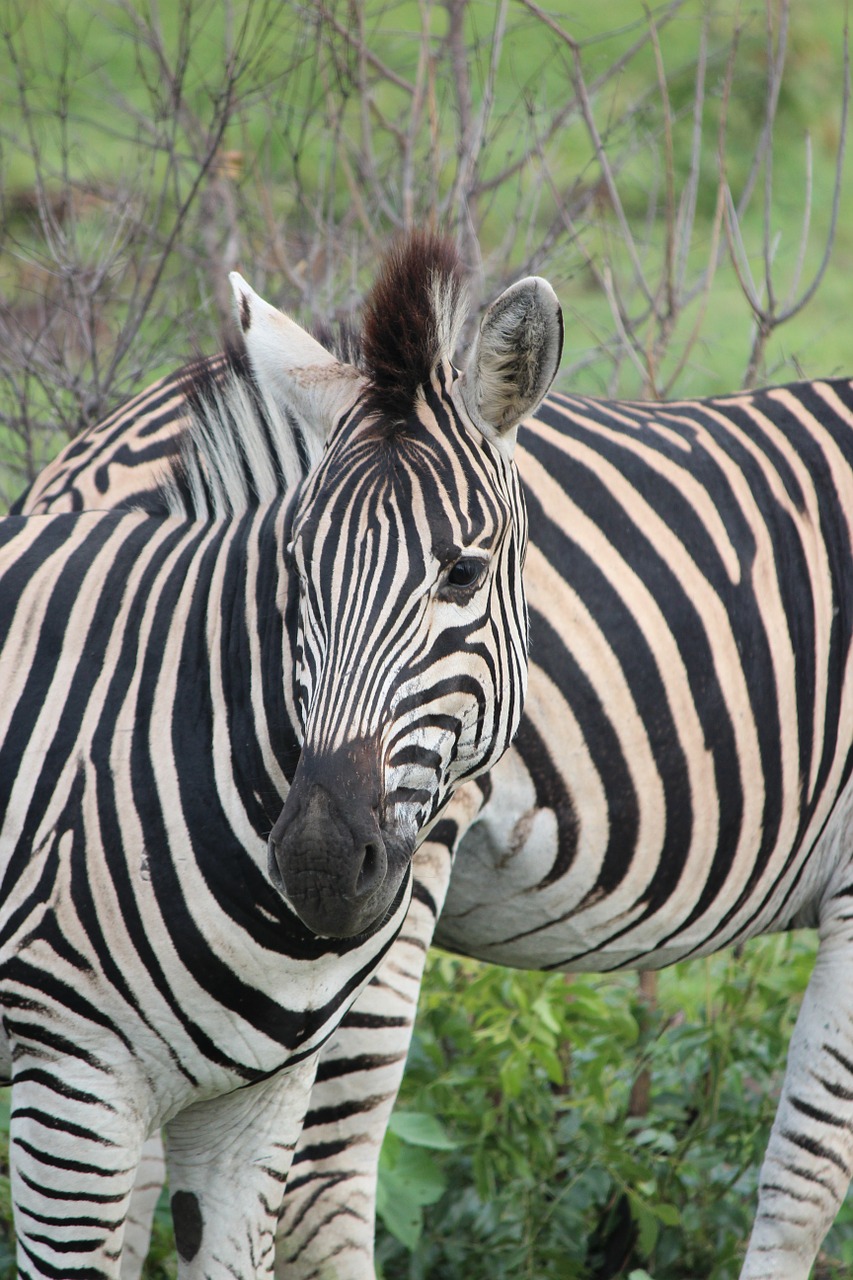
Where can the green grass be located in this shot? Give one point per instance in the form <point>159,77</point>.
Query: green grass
<point>280,137</point>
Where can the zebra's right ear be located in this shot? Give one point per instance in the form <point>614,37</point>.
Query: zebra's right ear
<point>292,369</point>
<point>514,358</point>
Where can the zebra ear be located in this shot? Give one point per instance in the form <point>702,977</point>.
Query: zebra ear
<point>292,369</point>
<point>514,358</point>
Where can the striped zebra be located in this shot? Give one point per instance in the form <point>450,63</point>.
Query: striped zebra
<point>679,781</point>
<point>224,729</point>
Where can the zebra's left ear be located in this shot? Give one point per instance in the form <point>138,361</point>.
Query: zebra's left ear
<point>514,358</point>
<point>293,369</point>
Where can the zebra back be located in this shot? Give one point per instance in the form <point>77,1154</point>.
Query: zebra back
<point>689,726</point>
<point>123,460</point>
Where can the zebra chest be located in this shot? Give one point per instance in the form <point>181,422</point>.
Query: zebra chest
<point>200,974</point>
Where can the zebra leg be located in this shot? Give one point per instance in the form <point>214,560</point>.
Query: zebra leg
<point>809,1160</point>
<point>150,1177</point>
<point>328,1219</point>
<point>74,1146</point>
<point>228,1161</point>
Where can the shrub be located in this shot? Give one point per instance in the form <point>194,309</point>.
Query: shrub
<point>588,1128</point>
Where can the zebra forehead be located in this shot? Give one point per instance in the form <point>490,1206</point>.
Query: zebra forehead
<point>410,497</point>
<point>412,319</point>
<point>430,473</point>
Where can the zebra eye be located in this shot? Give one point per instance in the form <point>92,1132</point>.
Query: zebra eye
<point>466,573</point>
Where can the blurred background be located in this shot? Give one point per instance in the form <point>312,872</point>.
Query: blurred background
<point>677,171</point>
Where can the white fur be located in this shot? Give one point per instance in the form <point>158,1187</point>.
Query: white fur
<point>450,308</point>
<point>295,370</point>
<point>231,462</point>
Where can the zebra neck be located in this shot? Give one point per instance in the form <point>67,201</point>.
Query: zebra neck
<point>237,700</point>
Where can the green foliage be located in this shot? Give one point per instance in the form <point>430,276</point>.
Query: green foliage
<point>162,1260</point>
<point>554,1165</point>
<point>410,1179</point>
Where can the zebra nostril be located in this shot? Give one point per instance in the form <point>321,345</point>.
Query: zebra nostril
<point>371,873</point>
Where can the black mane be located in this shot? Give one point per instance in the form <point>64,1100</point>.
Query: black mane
<point>411,320</point>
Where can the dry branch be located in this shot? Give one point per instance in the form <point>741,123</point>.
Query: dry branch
<point>308,133</point>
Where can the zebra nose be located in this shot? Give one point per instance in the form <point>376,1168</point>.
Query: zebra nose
<point>374,864</point>
<point>328,857</point>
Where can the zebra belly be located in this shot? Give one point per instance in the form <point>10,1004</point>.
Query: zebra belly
<point>553,875</point>
<point>501,908</point>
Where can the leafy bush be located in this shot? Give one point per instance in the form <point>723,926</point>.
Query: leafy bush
<point>588,1130</point>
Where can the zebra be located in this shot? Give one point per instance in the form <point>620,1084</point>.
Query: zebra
<point>680,780</point>
<point>172,953</point>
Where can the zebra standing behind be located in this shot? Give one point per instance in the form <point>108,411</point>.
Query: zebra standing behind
<point>162,962</point>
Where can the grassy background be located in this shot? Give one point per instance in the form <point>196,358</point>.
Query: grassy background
<point>293,158</point>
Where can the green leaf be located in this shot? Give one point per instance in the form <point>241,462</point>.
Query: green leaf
<point>668,1214</point>
<point>513,1073</point>
<point>420,1129</point>
<point>551,1063</point>
<point>416,1176</point>
<point>647,1224</point>
<point>657,1138</point>
<point>408,1179</point>
<point>542,1009</point>
<point>402,1218</point>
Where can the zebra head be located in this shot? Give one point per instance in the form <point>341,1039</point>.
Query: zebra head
<point>408,539</point>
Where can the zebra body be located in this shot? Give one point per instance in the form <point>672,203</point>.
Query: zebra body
<point>690,580</point>
<point>169,681</point>
<point>679,782</point>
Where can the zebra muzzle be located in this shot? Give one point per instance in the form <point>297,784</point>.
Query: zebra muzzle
<point>328,854</point>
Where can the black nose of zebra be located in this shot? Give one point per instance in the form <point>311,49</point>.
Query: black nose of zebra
<point>327,853</point>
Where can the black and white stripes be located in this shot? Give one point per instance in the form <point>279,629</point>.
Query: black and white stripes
<point>680,779</point>
<point>164,960</point>
<point>689,582</point>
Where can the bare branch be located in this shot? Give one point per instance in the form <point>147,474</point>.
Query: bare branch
<point>291,139</point>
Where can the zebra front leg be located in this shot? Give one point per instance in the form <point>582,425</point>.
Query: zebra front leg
<point>228,1161</point>
<point>809,1160</point>
<point>328,1220</point>
<point>150,1178</point>
<point>74,1146</point>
